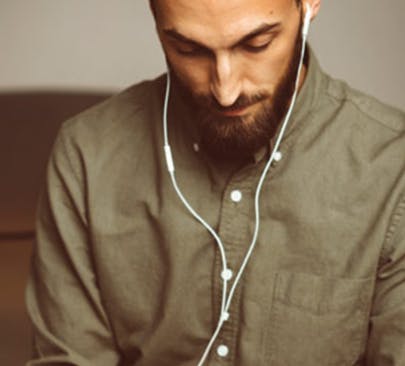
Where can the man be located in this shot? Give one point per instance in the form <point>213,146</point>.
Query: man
<point>125,273</point>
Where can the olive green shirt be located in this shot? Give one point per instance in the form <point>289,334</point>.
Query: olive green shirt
<point>123,275</point>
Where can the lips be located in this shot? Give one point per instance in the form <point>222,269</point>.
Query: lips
<point>234,112</point>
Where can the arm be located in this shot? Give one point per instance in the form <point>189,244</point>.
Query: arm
<point>386,345</point>
<point>63,301</point>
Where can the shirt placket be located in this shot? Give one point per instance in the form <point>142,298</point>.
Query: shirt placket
<point>236,217</point>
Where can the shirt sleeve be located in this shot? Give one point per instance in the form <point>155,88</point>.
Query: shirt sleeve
<point>70,325</point>
<point>386,346</point>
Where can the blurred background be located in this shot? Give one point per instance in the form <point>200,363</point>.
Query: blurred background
<point>59,57</point>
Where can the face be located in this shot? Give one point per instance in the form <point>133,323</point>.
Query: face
<point>235,62</point>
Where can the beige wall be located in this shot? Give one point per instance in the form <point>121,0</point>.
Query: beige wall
<point>107,45</point>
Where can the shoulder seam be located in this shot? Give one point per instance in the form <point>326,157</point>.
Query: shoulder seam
<point>397,215</point>
<point>361,110</point>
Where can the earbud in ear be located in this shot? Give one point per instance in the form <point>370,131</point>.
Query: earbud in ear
<point>307,20</point>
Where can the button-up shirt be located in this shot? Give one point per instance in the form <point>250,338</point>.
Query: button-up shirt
<point>123,275</point>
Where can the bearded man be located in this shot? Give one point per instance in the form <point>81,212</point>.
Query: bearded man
<point>275,235</point>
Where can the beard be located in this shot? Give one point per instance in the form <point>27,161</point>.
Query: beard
<point>228,138</point>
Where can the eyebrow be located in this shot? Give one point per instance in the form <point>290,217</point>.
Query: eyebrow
<point>261,29</point>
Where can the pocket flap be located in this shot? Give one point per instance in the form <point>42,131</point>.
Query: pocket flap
<point>320,294</point>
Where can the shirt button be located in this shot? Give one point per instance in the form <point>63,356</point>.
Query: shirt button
<point>223,350</point>
<point>196,147</point>
<point>278,155</point>
<point>236,196</point>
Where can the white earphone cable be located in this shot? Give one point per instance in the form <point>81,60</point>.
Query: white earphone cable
<point>171,169</point>
<point>263,177</point>
<point>226,300</point>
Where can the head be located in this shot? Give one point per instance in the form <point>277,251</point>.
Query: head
<point>235,61</point>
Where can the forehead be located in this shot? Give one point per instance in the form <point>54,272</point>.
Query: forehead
<point>202,19</point>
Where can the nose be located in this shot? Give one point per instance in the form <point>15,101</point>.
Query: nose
<point>225,85</point>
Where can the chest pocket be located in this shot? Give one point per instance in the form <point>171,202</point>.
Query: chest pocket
<point>317,321</point>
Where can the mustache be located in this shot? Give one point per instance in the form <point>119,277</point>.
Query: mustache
<point>243,101</point>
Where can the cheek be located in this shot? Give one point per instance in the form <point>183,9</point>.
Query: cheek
<point>266,71</point>
<point>261,75</point>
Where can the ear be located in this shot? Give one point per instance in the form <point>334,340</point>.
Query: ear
<point>315,6</point>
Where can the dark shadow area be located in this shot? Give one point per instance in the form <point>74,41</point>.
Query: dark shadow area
<point>28,126</point>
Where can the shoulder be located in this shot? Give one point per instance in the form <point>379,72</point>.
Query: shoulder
<point>127,118</point>
<point>364,108</point>
<point>365,137</point>
<point>127,109</point>
<point>119,129</point>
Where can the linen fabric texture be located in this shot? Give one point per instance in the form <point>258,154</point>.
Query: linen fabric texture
<point>122,274</point>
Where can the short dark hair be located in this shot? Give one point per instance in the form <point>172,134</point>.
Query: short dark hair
<point>152,5</point>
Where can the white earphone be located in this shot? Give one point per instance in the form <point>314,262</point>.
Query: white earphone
<point>227,299</point>
<point>307,21</point>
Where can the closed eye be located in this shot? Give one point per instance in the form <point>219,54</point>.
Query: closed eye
<point>193,51</point>
<point>258,43</point>
<point>256,49</point>
<point>258,40</point>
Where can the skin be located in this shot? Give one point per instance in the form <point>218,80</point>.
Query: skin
<point>231,56</point>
